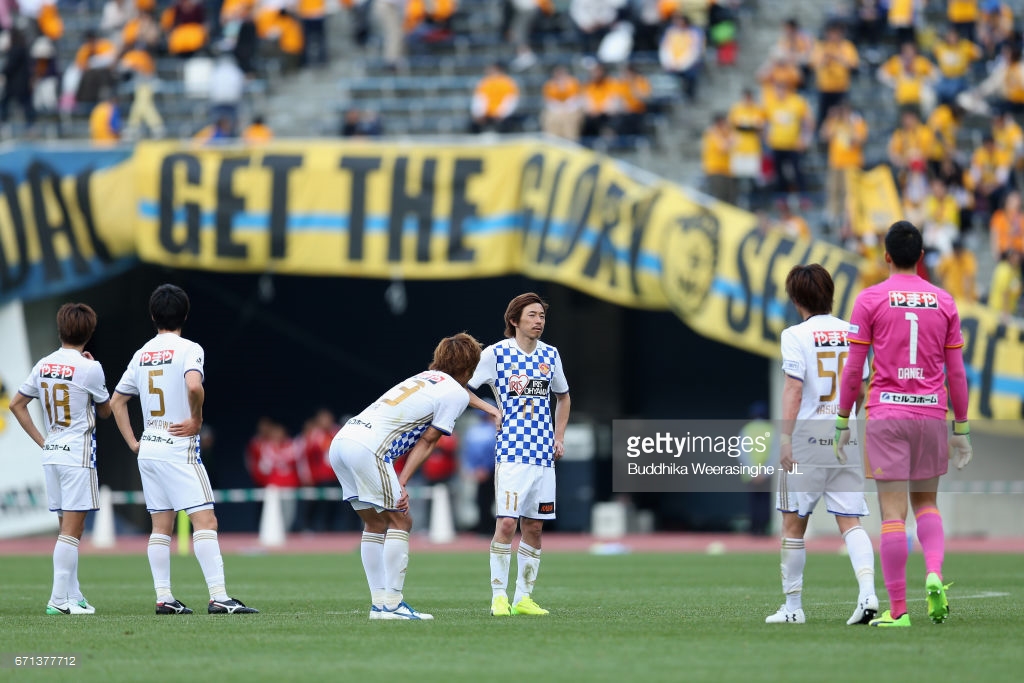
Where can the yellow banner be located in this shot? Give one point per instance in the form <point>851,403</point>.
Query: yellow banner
<point>420,211</point>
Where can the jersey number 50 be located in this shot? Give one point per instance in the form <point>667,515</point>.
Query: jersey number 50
<point>834,376</point>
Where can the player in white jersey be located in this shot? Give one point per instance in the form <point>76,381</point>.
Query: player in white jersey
<point>813,353</point>
<point>409,418</point>
<point>523,372</point>
<point>167,376</point>
<point>71,386</point>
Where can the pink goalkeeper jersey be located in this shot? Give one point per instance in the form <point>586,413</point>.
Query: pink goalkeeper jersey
<point>910,323</point>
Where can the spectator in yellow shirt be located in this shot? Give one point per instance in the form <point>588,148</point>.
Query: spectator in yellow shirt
<point>989,175</point>
<point>1006,229</point>
<point>901,19</point>
<point>1008,136</point>
<point>962,15</point>
<point>636,91</point>
<point>602,103</point>
<point>748,119</point>
<point>845,132</point>
<point>1004,292</point>
<point>716,146</point>
<point>1005,83</point>
<point>909,75</point>
<point>789,134</point>
<point>494,101</point>
<point>795,46</point>
<point>939,223</point>
<point>682,52</point>
<point>834,59</point>
<point>957,271</point>
<point>910,144</point>
<point>778,70</point>
<point>105,121</point>
<point>792,224</point>
<point>257,132</point>
<point>944,122</point>
<point>562,115</point>
<point>954,55</point>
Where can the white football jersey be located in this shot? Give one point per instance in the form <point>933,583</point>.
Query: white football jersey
<point>815,352</point>
<point>156,374</point>
<point>393,423</point>
<point>522,384</point>
<point>69,385</point>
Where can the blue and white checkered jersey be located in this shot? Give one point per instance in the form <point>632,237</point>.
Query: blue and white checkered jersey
<point>394,422</point>
<point>522,384</point>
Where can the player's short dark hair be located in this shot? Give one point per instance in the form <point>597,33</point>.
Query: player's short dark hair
<point>904,244</point>
<point>457,355</point>
<point>75,324</point>
<point>811,288</point>
<point>515,310</point>
<point>168,306</point>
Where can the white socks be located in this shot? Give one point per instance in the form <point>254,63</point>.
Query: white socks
<point>372,552</point>
<point>65,564</point>
<point>207,550</point>
<point>528,559</point>
<point>794,557</point>
<point>501,558</point>
<point>862,557</point>
<point>160,564</point>
<point>396,561</point>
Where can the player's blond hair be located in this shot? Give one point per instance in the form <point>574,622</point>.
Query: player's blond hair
<point>457,356</point>
<point>515,310</point>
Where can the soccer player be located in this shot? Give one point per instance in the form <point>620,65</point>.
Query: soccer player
<point>71,386</point>
<point>523,372</point>
<point>914,328</point>
<point>409,418</point>
<point>167,376</point>
<point>813,353</point>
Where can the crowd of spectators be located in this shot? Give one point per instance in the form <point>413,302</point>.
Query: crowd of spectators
<point>925,74</point>
<point>215,47</point>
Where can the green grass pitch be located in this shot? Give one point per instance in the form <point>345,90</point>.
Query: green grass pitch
<point>657,617</point>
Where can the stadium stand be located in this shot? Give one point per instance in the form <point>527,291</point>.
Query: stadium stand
<point>425,83</point>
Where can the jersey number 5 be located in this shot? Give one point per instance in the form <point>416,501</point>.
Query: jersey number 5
<point>57,399</point>
<point>154,390</point>
<point>834,376</point>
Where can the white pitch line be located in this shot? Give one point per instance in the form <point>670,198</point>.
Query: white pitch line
<point>983,595</point>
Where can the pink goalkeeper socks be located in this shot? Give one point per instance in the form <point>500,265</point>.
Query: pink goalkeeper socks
<point>932,538</point>
<point>893,550</point>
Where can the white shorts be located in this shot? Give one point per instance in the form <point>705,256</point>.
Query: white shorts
<point>522,490</point>
<point>175,486</point>
<point>745,165</point>
<point>366,480</point>
<point>71,489</point>
<point>842,487</point>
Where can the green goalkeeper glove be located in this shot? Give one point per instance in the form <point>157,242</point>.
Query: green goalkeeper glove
<point>960,449</point>
<point>841,439</point>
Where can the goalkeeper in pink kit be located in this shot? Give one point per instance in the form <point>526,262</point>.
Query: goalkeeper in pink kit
<point>914,328</point>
